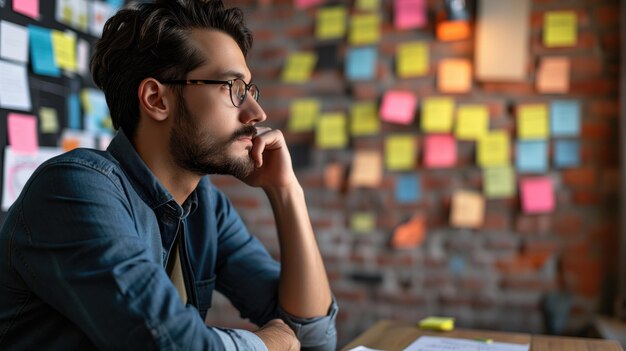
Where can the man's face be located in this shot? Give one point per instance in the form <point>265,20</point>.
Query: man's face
<point>210,135</point>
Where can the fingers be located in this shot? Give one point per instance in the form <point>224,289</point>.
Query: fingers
<point>265,138</point>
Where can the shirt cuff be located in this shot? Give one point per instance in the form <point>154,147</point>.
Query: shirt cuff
<point>239,339</point>
<point>317,333</point>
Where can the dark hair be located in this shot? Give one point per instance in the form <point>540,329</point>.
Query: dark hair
<point>150,40</point>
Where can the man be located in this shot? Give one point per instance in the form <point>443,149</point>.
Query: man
<point>122,249</point>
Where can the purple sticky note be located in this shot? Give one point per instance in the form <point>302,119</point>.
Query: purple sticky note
<point>28,8</point>
<point>439,151</point>
<point>22,133</point>
<point>537,195</point>
<point>410,14</point>
<point>398,107</point>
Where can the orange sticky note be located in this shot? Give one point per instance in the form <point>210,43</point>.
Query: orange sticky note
<point>553,75</point>
<point>22,130</point>
<point>439,151</point>
<point>537,195</point>
<point>410,234</point>
<point>468,209</point>
<point>398,107</point>
<point>452,30</point>
<point>455,76</point>
<point>367,169</point>
<point>333,176</point>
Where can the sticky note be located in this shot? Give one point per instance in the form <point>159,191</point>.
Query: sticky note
<point>97,118</point>
<point>537,195</point>
<point>367,5</point>
<point>299,67</point>
<point>398,107</point>
<point>13,42</point>
<point>439,151</point>
<point>364,119</point>
<point>14,86</point>
<point>302,115</point>
<point>41,52</point>
<point>532,156</point>
<point>493,149</point>
<point>400,151</point>
<point>408,188</point>
<point>559,29</point>
<point>361,63</point>
<point>468,209</point>
<point>453,30</point>
<point>363,222</point>
<point>553,75</point>
<point>364,29</point>
<point>565,118</point>
<point>331,131</point>
<point>454,76</point>
<point>412,59</point>
<point>331,22</point>
<point>410,234</point>
<point>409,14</point>
<point>72,13</point>
<point>437,114</point>
<point>567,153</point>
<point>48,120</point>
<point>28,8</point>
<point>303,4</point>
<point>367,169</point>
<point>73,112</point>
<point>22,130</point>
<point>498,182</point>
<point>334,176</point>
<point>437,323</point>
<point>532,121</point>
<point>64,45</point>
<point>472,122</point>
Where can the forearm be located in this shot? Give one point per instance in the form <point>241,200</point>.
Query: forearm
<point>304,289</point>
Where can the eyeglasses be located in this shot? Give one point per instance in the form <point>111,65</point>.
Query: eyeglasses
<point>238,88</point>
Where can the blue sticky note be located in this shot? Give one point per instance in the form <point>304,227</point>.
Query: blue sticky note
<point>566,153</point>
<point>456,264</point>
<point>96,111</point>
<point>41,52</point>
<point>532,156</point>
<point>408,189</point>
<point>565,118</point>
<point>73,111</point>
<point>361,63</point>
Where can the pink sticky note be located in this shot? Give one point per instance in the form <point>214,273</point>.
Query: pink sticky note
<point>22,133</point>
<point>439,151</point>
<point>303,4</point>
<point>410,14</point>
<point>398,107</point>
<point>28,8</point>
<point>537,195</point>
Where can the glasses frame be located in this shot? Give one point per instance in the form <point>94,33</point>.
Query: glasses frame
<point>230,84</point>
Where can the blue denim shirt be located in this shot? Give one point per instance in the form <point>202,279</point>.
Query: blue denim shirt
<point>82,256</point>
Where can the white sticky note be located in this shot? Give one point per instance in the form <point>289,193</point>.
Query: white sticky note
<point>14,88</point>
<point>13,42</point>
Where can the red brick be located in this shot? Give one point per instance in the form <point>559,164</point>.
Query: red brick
<point>608,15</point>
<point>594,87</point>
<point>610,41</point>
<point>585,66</point>
<point>568,224</point>
<point>602,108</point>
<point>580,177</point>
<point>509,88</point>
<point>587,197</point>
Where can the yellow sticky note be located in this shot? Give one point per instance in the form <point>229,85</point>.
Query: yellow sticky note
<point>64,46</point>
<point>532,121</point>
<point>468,209</point>
<point>48,120</point>
<point>400,151</point>
<point>493,149</point>
<point>302,115</point>
<point>363,222</point>
<point>364,29</point>
<point>437,323</point>
<point>331,131</point>
<point>559,29</point>
<point>364,119</point>
<point>498,182</point>
<point>367,5</point>
<point>331,22</point>
<point>299,67</point>
<point>367,169</point>
<point>412,59</point>
<point>437,114</point>
<point>472,122</point>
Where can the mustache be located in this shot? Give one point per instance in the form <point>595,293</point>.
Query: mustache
<point>246,130</point>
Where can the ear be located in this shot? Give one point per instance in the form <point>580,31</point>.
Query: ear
<point>155,101</point>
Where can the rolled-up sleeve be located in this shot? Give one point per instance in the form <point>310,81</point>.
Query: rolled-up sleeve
<point>315,334</point>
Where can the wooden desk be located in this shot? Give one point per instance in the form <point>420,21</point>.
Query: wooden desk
<point>392,336</point>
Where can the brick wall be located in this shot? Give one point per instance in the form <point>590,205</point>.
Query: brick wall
<point>493,277</point>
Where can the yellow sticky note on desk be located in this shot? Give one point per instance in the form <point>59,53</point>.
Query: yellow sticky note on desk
<point>364,29</point>
<point>437,323</point>
<point>559,29</point>
<point>532,121</point>
<point>331,22</point>
<point>472,122</point>
<point>412,59</point>
<point>331,131</point>
<point>400,151</point>
<point>303,113</point>
<point>437,114</point>
<point>299,67</point>
<point>64,45</point>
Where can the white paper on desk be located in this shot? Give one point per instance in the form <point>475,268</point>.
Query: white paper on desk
<point>363,348</point>
<point>13,42</point>
<point>431,343</point>
<point>14,88</point>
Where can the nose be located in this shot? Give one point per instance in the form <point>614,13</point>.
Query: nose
<point>251,112</point>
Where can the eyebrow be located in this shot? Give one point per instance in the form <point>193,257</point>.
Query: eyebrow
<point>232,74</point>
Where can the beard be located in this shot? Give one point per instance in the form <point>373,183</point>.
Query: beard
<point>201,153</point>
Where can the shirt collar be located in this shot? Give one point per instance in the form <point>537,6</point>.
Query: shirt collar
<point>145,183</point>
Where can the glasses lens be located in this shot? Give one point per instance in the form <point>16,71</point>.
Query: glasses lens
<point>253,90</point>
<point>238,92</point>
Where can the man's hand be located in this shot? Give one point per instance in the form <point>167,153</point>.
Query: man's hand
<point>271,159</point>
<point>277,336</point>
